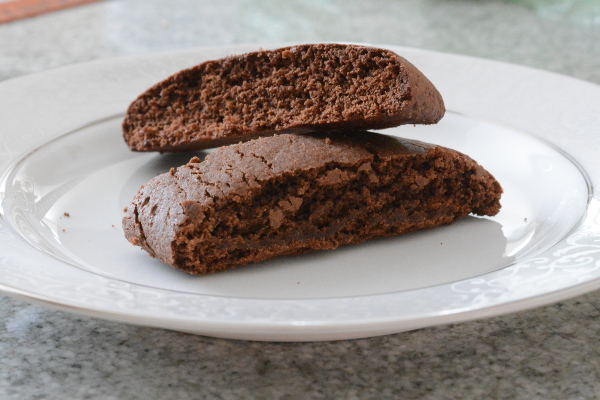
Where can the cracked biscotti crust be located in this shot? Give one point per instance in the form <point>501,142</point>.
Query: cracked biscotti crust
<point>293,90</point>
<point>291,194</point>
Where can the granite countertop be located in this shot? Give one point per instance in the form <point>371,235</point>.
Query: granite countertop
<point>550,352</point>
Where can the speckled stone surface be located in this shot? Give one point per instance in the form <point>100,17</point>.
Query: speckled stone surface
<point>551,352</point>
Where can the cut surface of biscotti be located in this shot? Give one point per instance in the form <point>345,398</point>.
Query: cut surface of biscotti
<point>293,90</point>
<point>291,194</point>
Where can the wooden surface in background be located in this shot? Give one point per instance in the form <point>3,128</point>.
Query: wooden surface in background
<point>19,9</point>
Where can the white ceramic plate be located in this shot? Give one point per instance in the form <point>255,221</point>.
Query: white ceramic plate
<point>67,176</point>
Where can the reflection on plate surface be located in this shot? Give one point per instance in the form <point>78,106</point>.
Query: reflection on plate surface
<point>542,247</point>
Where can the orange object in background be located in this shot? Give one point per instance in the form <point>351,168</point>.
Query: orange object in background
<point>19,9</point>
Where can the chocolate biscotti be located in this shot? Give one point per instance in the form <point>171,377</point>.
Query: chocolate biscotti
<point>293,90</point>
<point>291,194</point>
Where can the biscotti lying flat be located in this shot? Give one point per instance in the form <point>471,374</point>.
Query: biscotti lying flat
<point>292,90</point>
<point>291,194</point>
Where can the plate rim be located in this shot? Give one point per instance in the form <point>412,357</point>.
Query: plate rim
<point>301,330</point>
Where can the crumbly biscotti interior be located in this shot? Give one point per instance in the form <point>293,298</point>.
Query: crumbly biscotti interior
<point>336,205</point>
<point>321,86</point>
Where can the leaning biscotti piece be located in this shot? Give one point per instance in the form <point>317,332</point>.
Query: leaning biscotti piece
<point>291,194</point>
<point>295,89</point>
